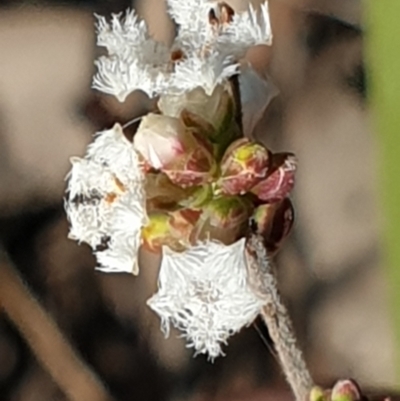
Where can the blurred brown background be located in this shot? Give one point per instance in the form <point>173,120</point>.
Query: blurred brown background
<point>330,267</point>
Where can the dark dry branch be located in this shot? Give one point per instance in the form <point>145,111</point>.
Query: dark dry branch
<point>263,282</point>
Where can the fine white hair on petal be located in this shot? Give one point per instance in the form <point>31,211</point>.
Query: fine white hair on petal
<point>134,61</point>
<point>87,182</point>
<point>122,247</point>
<point>190,15</point>
<point>120,76</point>
<point>111,148</point>
<point>121,32</point>
<point>210,51</point>
<point>204,72</point>
<point>204,293</point>
<point>106,201</point>
<point>247,29</point>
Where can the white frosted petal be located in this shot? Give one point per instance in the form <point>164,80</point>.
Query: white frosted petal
<point>204,72</point>
<point>247,29</point>
<point>210,54</point>
<point>204,293</point>
<point>106,201</point>
<point>134,61</point>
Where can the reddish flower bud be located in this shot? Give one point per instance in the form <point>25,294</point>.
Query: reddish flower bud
<point>244,164</point>
<point>346,390</point>
<point>225,219</point>
<point>280,179</point>
<point>191,169</point>
<point>173,229</point>
<point>160,139</point>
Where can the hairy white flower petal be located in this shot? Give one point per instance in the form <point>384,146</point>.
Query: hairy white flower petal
<point>210,53</point>
<point>255,94</point>
<point>121,32</point>
<point>87,183</point>
<point>110,148</point>
<point>247,29</point>
<point>134,61</point>
<point>204,72</point>
<point>120,77</point>
<point>124,227</point>
<point>106,201</point>
<point>204,293</point>
<point>190,15</point>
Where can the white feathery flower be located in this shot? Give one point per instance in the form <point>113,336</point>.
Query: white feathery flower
<point>204,293</point>
<point>204,290</point>
<point>106,201</point>
<point>209,53</point>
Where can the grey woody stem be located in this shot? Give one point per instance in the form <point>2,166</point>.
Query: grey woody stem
<point>275,315</point>
<point>73,376</point>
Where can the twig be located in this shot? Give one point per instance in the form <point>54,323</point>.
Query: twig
<point>43,336</point>
<point>275,315</point>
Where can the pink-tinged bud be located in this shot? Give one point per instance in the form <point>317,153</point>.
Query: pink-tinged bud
<point>280,179</point>
<point>244,164</point>
<point>346,390</point>
<point>224,219</point>
<point>212,116</point>
<point>194,168</point>
<point>173,229</point>
<point>318,394</point>
<point>274,222</point>
<point>160,139</point>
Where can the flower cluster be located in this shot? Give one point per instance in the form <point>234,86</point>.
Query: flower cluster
<point>190,182</point>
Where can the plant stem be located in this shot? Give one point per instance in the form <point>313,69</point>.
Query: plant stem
<point>73,376</point>
<point>274,313</point>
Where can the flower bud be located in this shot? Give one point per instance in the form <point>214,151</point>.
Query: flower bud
<point>274,222</point>
<point>193,168</point>
<point>346,390</point>
<point>202,111</point>
<point>224,219</point>
<point>167,145</point>
<point>198,197</point>
<point>161,193</point>
<point>173,229</point>
<point>157,232</point>
<point>160,139</point>
<point>317,394</point>
<point>244,164</point>
<point>212,116</point>
<point>280,179</point>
